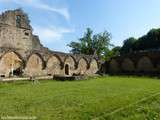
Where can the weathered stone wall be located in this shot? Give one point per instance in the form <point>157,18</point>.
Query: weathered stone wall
<point>34,66</point>
<point>13,36</point>
<point>145,65</point>
<point>21,53</point>
<point>54,65</point>
<point>10,18</point>
<point>82,66</point>
<point>93,67</point>
<point>10,62</point>
<point>136,63</point>
<point>40,64</point>
<point>128,65</point>
<point>113,66</point>
<point>69,65</point>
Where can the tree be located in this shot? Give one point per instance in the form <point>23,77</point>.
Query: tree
<point>128,45</point>
<point>91,44</point>
<point>150,41</point>
<point>114,52</point>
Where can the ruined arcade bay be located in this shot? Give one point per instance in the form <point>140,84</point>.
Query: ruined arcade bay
<point>22,54</point>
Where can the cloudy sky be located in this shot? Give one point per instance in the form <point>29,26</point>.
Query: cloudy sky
<point>58,22</point>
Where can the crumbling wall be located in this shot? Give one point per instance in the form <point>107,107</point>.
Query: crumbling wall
<point>93,67</point>
<point>113,66</point>
<point>128,65</point>
<point>17,36</point>
<point>54,66</point>
<point>71,63</point>
<point>10,62</point>
<point>82,66</point>
<point>20,49</point>
<point>145,65</point>
<point>34,66</point>
<point>12,37</point>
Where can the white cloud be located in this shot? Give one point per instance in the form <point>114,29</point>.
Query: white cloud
<point>41,5</point>
<point>51,34</point>
<point>62,11</point>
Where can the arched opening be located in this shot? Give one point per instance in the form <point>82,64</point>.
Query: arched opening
<point>53,66</point>
<point>82,66</point>
<point>145,65</point>
<point>11,65</point>
<point>113,66</point>
<point>34,65</point>
<point>93,69</point>
<point>67,69</point>
<point>127,65</point>
<point>70,64</point>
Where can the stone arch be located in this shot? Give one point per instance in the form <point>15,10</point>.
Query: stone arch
<point>145,64</point>
<point>93,69</point>
<point>82,66</point>
<point>69,65</point>
<point>114,66</point>
<point>53,65</point>
<point>34,65</point>
<point>127,65</point>
<point>11,63</point>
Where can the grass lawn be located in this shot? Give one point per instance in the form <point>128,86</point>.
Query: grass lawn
<point>98,99</point>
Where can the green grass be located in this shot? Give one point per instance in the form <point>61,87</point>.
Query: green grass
<point>83,100</point>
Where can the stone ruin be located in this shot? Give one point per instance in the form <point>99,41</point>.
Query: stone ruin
<point>141,63</point>
<point>22,54</point>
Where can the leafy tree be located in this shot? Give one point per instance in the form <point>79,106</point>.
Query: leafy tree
<point>150,41</point>
<point>128,45</point>
<point>91,44</point>
<point>114,52</point>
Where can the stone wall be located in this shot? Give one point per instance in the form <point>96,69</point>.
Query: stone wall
<point>21,53</point>
<point>9,63</point>
<point>17,36</point>
<point>83,65</point>
<point>135,63</point>
<point>41,64</point>
<point>54,65</point>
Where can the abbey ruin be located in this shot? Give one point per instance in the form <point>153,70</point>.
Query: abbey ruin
<point>141,63</point>
<point>22,54</point>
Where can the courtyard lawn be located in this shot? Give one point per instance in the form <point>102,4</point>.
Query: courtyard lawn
<point>110,98</point>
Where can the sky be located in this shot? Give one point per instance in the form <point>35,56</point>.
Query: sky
<point>58,22</point>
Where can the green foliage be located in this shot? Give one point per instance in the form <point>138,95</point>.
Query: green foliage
<point>114,52</point>
<point>91,44</point>
<point>128,45</point>
<point>150,41</point>
<point>82,100</point>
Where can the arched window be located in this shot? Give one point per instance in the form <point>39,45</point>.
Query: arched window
<point>18,21</point>
<point>67,69</point>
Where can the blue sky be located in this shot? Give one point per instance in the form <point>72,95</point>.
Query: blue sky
<point>58,22</point>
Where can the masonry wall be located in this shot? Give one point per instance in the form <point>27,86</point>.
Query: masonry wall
<point>136,63</point>
<point>13,36</point>
<point>22,54</point>
<point>34,64</point>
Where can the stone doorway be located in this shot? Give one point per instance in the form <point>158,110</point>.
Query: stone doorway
<point>67,69</point>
